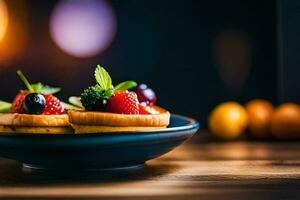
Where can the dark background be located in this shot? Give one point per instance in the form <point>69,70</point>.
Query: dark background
<point>179,48</point>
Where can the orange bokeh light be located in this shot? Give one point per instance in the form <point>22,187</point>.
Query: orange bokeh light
<point>13,35</point>
<point>3,19</point>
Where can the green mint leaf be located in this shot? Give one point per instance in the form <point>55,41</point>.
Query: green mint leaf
<point>126,85</point>
<point>37,87</point>
<point>103,78</point>
<point>49,90</point>
<point>109,92</point>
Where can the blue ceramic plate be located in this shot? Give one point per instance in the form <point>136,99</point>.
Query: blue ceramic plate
<point>96,151</point>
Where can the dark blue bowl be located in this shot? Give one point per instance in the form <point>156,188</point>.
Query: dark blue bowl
<point>96,151</point>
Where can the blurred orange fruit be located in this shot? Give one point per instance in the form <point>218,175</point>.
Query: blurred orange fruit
<point>259,117</point>
<point>285,121</point>
<point>228,120</point>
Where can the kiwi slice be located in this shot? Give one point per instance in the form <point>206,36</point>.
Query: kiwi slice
<point>4,106</point>
<point>68,106</point>
<point>75,101</point>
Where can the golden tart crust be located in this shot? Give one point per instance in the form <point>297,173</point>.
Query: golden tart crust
<point>108,129</point>
<point>16,119</point>
<point>36,129</point>
<point>161,119</point>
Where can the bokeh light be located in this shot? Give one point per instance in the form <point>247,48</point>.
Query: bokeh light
<point>14,37</point>
<point>83,28</point>
<point>3,19</point>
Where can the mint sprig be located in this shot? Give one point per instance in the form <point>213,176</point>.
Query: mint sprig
<point>49,89</point>
<point>103,79</point>
<point>103,90</point>
<point>126,85</point>
<point>37,87</point>
<point>104,82</point>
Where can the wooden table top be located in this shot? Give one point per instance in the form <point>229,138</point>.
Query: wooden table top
<point>213,170</point>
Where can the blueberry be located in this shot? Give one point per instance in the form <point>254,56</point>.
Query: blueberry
<point>34,103</point>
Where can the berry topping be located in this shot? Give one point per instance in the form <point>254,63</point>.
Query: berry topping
<point>147,110</point>
<point>123,102</point>
<point>143,109</point>
<point>34,103</point>
<point>145,94</point>
<point>37,99</point>
<point>17,104</point>
<point>96,97</point>
<point>105,97</point>
<point>53,106</point>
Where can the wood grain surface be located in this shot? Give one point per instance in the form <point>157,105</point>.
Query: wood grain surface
<point>196,170</point>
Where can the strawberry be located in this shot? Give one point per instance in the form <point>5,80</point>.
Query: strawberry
<point>144,110</point>
<point>53,106</point>
<point>123,102</point>
<point>147,110</point>
<point>17,104</point>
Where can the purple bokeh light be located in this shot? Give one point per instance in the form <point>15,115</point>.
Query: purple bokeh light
<point>83,28</point>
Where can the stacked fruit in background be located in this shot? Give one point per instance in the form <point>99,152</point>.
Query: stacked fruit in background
<point>258,117</point>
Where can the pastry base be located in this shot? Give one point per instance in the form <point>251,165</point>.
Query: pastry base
<point>109,129</point>
<point>16,119</point>
<point>36,129</point>
<point>88,118</point>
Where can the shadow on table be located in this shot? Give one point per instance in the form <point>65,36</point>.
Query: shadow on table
<point>13,173</point>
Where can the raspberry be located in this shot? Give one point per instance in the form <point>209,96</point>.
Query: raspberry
<point>53,106</point>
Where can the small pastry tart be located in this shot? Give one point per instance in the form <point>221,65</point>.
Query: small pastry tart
<point>35,110</point>
<point>125,107</point>
<point>99,122</point>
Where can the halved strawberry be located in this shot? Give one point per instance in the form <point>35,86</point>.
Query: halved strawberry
<point>17,104</point>
<point>147,110</point>
<point>53,106</point>
<point>143,109</point>
<point>123,102</point>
